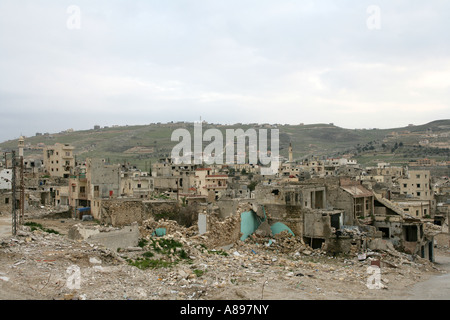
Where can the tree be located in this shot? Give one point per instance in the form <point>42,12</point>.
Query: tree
<point>252,185</point>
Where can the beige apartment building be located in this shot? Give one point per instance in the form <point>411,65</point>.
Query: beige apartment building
<point>136,184</point>
<point>208,183</point>
<point>417,185</point>
<point>59,160</point>
<point>417,209</point>
<point>77,190</point>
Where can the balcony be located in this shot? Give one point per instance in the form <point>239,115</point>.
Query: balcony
<point>215,186</point>
<point>217,176</point>
<point>81,177</point>
<point>82,195</point>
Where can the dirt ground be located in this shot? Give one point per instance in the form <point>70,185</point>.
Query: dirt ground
<point>38,265</point>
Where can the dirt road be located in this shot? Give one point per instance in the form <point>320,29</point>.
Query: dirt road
<point>5,227</point>
<point>435,288</point>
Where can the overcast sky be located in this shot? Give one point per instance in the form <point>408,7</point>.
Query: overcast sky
<point>358,64</point>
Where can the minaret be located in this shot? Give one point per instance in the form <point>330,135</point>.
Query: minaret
<point>21,145</point>
<point>290,153</point>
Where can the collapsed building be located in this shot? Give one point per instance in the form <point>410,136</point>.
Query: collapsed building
<point>337,214</point>
<point>341,215</point>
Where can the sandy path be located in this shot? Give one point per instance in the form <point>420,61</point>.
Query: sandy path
<point>5,227</point>
<point>435,288</point>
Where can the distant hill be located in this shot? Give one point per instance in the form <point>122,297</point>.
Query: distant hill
<point>144,144</point>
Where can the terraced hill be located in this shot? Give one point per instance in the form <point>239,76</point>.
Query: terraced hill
<point>144,144</point>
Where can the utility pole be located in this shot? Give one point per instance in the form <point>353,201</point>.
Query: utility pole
<point>22,192</point>
<point>13,189</point>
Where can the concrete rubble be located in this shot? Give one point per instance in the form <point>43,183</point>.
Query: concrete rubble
<point>215,265</point>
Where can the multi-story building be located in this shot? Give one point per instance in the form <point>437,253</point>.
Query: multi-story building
<point>77,191</point>
<point>103,180</point>
<point>209,183</point>
<point>136,184</point>
<point>59,160</point>
<point>5,179</point>
<point>418,186</point>
<point>171,177</point>
<point>416,209</point>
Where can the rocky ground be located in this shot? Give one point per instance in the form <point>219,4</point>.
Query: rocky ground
<point>44,265</point>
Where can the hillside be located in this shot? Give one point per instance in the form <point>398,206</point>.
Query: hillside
<point>144,144</point>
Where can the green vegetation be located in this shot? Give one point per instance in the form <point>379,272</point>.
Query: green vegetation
<point>35,226</point>
<point>160,196</point>
<point>252,185</point>
<point>219,252</point>
<point>170,252</point>
<point>165,246</point>
<point>142,243</point>
<point>199,272</point>
<point>150,263</point>
<point>148,254</point>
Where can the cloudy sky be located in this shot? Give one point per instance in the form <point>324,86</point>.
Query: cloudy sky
<point>358,64</point>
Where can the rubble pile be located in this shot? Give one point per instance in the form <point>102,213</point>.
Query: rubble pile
<point>149,226</point>
<point>283,242</point>
<point>431,229</point>
<point>221,232</point>
<point>350,231</point>
<point>40,265</point>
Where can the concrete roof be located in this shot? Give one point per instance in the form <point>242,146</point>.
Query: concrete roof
<point>357,191</point>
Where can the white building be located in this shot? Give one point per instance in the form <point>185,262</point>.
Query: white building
<point>5,179</point>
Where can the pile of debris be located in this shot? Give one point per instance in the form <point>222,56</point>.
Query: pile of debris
<point>350,231</point>
<point>184,265</point>
<point>150,226</point>
<point>283,242</point>
<point>430,229</point>
<point>220,232</point>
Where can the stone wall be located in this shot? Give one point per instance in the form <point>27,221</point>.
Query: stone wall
<point>442,240</point>
<point>344,245</point>
<point>317,225</point>
<point>128,236</point>
<point>121,212</point>
<point>229,207</point>
<point>291,216</point>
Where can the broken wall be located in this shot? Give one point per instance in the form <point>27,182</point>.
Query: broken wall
<point>228,207</point>
<point>291,216</point>
<point>391,231</point>
<point>345,245</point>
<point>121,212</point>
<point>344,201</point>
<point>128,236</point>
<point>317,225</point>
<point>442,240</point>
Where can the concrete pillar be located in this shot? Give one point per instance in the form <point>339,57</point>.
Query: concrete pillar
<point>202,223</point>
